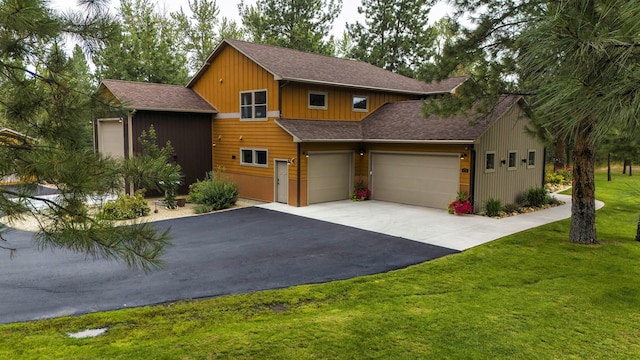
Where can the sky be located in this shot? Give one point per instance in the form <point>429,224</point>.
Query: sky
<point>229,9</point>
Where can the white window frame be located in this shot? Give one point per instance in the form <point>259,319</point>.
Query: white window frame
<point>515,161</point>
<point>314,107</point>
<point>353,98</point>
<point>529,164</point>
<point>254,157</point>
<point>486,155</point>
<point>253,105</point>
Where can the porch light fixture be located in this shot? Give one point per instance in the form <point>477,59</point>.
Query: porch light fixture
<point>463,156</point>
<point>524,161</point>
<point>503,162</point>
<point>362,151</point>
<point>291,161</point>
<point>306,154</point>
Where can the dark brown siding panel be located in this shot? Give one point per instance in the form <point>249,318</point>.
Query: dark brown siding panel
<point>190,136</point>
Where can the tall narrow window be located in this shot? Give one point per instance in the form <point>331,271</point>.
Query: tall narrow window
<point>513,160</point>
<point>253,105</point>
<point>360,103</point>
<point>532,159</point>
<point>490,161</point>
<point>317,100</point>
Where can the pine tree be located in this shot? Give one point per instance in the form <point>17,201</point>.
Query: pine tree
<point>296,24</point>
<point>576,62</point>
<point>147,48</point>
<point>52,109</point>
<point>395,35</point>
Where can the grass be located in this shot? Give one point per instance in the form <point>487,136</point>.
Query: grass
<point>531,295</point>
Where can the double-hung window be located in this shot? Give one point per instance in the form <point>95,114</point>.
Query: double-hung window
<point>253,105</point>
<point>254,157</point>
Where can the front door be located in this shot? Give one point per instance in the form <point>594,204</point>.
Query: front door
<point>282,181</point>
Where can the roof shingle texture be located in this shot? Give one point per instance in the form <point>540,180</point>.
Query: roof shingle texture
<point>301,66</point>
<point>151,96</point>
<point>401,121</point>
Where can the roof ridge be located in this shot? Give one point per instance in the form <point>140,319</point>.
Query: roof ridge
<point>142,82</point>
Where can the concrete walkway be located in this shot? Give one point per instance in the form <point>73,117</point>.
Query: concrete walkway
<point>427,225</point>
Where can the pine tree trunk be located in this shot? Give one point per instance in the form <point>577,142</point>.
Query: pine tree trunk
<point>638,230</point>
<point>583,206</point>
<point>609,167</point>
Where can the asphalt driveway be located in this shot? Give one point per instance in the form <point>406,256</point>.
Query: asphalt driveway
<point>231,252</point>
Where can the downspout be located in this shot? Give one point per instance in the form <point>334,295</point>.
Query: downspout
<point>298,177</point>
<point>544,159</point>
<point>472,175</point>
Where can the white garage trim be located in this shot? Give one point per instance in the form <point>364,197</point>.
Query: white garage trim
<point>329,176</point>
<point>423,179</point>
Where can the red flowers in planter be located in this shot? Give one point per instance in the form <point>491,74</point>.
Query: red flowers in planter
<point>461,205</point>
<point>361,192</point>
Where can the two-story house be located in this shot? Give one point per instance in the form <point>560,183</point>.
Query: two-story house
<point>302,128</point>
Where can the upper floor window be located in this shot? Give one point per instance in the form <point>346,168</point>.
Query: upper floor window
<point>317,100</point>
<point>256,157</point>
<point>360,103</point>
<point>490,161</point>
<point>531,162</point>
<point>513,160</point>
<point>253,105</point>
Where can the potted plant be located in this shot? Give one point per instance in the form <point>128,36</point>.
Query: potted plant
<point>360,192</point>
<point>461,205</point>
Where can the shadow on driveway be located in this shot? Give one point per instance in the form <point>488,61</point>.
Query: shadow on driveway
<point>230,252</point>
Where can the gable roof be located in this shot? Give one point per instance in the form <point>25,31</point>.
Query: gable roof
<point>299,66</point>
<point>6,133</point>
<point>159,97</point>
<point>401,122</point>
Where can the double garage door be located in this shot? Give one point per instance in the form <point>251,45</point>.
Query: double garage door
<point>423,180</point>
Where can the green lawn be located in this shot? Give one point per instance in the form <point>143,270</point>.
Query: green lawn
<point>527,296</point>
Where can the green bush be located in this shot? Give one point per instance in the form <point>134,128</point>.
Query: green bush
<point>125,207</point>
<point>510,208</point>
<point>536,197</point>
<point>567,176</point>
<point>554,178</point>
<point>215,192</point>
<point>493,207</point>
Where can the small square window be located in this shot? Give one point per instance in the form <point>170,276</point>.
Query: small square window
<point>513,160</point>
<point>360,103</point>
<point>247,156</point>
<point>490,162</point>
<point>532,159</point>
<point>261,157</point>
<point>317,100</point>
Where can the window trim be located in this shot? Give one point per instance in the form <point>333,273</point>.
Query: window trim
<point>493,169</point>
<point>253,105</point>
<point>314,107</point>
<point>366,109</point>
<point>529,152</point>
<point>254,157</point>
<point>515,161</point>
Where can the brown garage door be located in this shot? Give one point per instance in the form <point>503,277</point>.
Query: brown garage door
<point>424,180</point>
<point>330,176</point>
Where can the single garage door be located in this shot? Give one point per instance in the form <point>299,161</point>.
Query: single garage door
<point>423,180</point>
<point>111,137</point>
<point>329,176</point>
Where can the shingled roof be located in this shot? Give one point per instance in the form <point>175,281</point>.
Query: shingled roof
<point>400,122</point>
<point>158,97</point>
<point>299,66</point>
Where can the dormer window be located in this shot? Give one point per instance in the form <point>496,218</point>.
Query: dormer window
<point>253,105</point>
<point>317,100</point>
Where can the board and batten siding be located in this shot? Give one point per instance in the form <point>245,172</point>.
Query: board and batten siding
<point>507,134</point>
<point>339,102</point>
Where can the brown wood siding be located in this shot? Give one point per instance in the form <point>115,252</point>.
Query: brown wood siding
<point>229,74</point>
<point>507,134</point>
<point>339,102</point>
<point>190,136</point>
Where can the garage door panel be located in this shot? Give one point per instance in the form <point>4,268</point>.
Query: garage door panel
<point>329,177</point>
<point>424,180</point>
